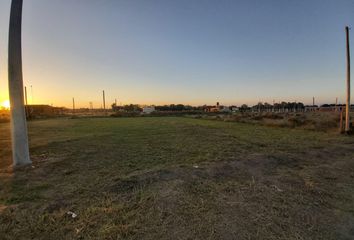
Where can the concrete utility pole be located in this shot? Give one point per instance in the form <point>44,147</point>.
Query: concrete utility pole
<point>347,110</point>
<point>73,105</point>
<point>20,150</point>
<point>313,101</point>
<point>104,101</point>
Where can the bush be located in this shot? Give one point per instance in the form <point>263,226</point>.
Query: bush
<point>273,116</point>
<point>297,121</point>
<point>126,114</point>
<point>4,116</point>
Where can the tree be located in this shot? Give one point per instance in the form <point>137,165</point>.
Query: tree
<point>20,151</point>
<point>244,108</point>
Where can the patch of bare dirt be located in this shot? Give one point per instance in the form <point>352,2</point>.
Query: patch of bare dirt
<point>253,197</point>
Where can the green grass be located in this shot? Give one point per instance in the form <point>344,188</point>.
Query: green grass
<point>177,178</point>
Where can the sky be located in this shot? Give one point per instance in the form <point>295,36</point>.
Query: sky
<point>187,51</point>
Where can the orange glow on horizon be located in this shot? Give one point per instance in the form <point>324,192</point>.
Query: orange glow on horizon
<point>5,104</point>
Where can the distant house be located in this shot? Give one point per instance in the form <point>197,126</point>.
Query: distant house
<point>148,109</point>
<point>212,109</point>
<point>217,108</point>
<point>44,111</point>
<point>224,109</point>
<point>234,109</point>
<point>325,108</point>
<point>313,108</point>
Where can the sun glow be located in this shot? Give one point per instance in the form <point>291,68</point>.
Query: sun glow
<point>5,104</point>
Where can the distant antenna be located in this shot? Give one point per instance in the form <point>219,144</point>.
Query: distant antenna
<point>347,109</point>
<point>26,102</point>
<point>32,95</point>
<point>26,96</point>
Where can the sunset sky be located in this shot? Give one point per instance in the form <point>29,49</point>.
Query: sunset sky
<point>191,52</point>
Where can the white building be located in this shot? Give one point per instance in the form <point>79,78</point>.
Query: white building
<point>224,109</point>
<point>148,109</point>
<point>234,109</point>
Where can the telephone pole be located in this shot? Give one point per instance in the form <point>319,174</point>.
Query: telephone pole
<point>73,105</point>
<point>335,106</point>
<point>104,101</point>
<point>347,109</point>
<point>20,150</point>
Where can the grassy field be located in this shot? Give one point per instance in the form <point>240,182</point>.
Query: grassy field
<point>177,178</point>
<point>312,121</point>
